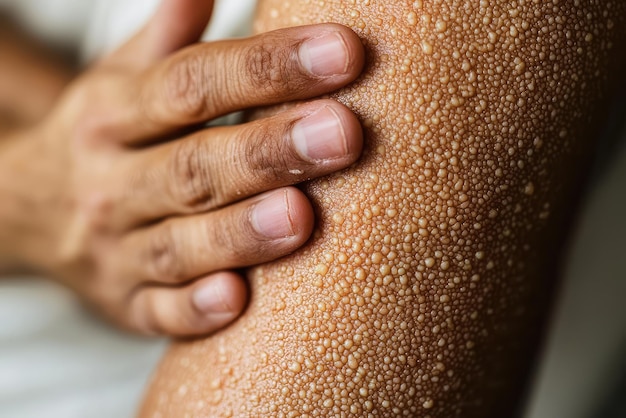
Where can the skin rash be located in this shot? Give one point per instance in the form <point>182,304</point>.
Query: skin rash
<point>423,289</point>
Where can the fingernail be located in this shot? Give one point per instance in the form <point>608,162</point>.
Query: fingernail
<point>320,136</point>
<point>324,56</point>
<point>270,217</point>
<point>208,298</point>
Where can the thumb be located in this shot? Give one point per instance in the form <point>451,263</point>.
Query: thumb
<point>175,24</point>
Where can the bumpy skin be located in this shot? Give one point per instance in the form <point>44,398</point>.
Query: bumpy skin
<point>421,293</point>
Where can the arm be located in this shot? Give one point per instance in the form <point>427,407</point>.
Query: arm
<point>423,289</point>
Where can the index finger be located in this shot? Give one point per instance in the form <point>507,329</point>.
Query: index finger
<point>209,80</point>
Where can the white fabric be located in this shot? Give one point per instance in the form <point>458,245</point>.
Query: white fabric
<point>100,25</point>
<point>57,361</point>
<point>113,21</point>
<point>58,21</point>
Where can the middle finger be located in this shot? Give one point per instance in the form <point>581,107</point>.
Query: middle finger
<point>219,166</point>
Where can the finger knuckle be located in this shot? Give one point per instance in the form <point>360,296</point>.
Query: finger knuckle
<point>92,107</point>
<point>269,66</point>
<point>184,86</point>
<point>266,156</point>
<point>165,257</point>
<point>233,239</point>
<point>97,207</point>
<point>192,179</point>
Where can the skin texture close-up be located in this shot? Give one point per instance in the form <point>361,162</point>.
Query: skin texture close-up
<point>424,288</point>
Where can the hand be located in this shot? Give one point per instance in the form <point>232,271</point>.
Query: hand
<point>145,222</point>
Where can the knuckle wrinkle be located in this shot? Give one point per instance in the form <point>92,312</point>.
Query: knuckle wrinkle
<point>186,88</point>
<point>164,256</point>
<point>268,67</point>
<point>266,159</point>
<point>192,177</point>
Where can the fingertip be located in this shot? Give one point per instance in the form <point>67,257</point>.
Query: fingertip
<point>200,308</point>
<point>353,131</point>
<point>220,296</point>
<point>354,47</point>
<point>283,217</point>
<point>331,50</point>
<point>301,215</point>
<point>326,133</point>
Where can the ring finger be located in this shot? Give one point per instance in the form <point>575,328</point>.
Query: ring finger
<point>254,231</point>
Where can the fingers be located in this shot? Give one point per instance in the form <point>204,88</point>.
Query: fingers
<point>258,230</point>
<point>199,308</point>
<point>176,23</point>
<point>206,81</point>
<point>222,165</point>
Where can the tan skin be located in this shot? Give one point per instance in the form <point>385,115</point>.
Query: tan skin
<point>28,67</point>
<point>117,191</point>
<point>421,291</point>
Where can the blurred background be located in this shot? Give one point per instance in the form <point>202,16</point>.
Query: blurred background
<point>58,361</point>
